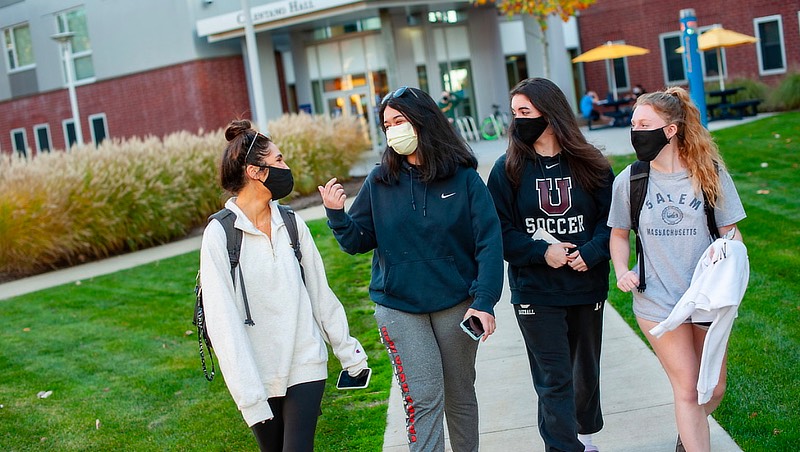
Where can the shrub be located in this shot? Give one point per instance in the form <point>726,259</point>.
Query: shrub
<point>787,94</point>
<point>65,208</point>
<point>317,149</point>
<point>750,89</point>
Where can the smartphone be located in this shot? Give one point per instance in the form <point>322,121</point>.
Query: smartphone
<point>360,381</point>
<point>473,327</point>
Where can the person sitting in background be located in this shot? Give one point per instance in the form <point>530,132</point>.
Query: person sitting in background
<point>637,91</point>
<point>588,101</point>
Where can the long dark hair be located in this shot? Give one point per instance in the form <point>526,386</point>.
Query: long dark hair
<point>241,138</point>
<point>439,150</point>
<point>588,165</point>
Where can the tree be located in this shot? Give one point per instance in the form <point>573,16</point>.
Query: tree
<point>540,10</point>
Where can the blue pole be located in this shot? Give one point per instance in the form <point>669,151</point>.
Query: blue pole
<point>692,63</point>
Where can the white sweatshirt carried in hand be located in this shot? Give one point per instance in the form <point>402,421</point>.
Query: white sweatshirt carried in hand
<point>718,285</point>
<point>286,346</point>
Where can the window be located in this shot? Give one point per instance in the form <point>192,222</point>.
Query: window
<point>75,21</point>
<point>450,16</point>
<point>20,142</point>
<point>18,46</point>
<point>771,53</point>
<point>516,69</point>
<point>674,70</point>
<point>621,74</point>
<point>70,135</point>
<point>672,61</point>
<point>99,128</point>
<point>42,134</point>
<point>713,66</point>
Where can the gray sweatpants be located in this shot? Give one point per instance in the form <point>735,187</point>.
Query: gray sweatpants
<point>430,353</point>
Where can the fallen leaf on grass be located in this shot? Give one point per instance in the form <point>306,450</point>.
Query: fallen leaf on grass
<point>44,394</point>
<point>26,329</point>
<point>777,431</point>
<point>763,192</point>
<point>189,332</point>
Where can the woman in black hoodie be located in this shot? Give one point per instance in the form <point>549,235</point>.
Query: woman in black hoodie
<point>552,191</point>
<point>437,260</point>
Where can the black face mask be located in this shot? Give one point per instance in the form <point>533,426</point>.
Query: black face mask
<point>528,130</point>
<point>279,181</point>
<point>648,143</point>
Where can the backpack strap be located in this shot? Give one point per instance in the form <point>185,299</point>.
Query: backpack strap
<point>640,174</point>
<point>710,217</point>
<point>291,226</point>
<point>227,219</point>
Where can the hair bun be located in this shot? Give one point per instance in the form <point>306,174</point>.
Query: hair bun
<point>236,128</point>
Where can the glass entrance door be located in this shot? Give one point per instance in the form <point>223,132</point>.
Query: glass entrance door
<point>353,103</point>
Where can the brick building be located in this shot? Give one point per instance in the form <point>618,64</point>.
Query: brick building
<point>654,24</point>
<point>152,67</point>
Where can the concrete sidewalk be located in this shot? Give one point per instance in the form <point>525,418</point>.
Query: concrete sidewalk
<point>636,396</point>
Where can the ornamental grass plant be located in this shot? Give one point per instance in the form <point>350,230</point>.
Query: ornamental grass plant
<point>64,208</point>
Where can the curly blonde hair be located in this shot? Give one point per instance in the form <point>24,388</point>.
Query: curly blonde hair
<point>696,147</point>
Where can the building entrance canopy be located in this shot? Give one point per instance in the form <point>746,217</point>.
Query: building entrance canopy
<point>286,13</point>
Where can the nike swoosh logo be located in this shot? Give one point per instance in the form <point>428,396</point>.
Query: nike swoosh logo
<point>447,195</point>
<point>551,166</point>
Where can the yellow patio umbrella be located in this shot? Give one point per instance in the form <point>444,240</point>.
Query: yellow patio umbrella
<point>717,38</point>
<point>610,51</point>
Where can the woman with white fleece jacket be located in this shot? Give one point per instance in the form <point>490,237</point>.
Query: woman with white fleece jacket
<point>272,350</point>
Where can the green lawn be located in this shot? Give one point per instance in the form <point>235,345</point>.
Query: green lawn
<point>115,348</point>
<point>761,409</point>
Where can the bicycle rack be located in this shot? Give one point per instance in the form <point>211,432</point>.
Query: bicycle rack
<point>466,126</point>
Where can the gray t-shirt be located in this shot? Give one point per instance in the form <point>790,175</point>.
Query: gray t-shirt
<point>674,233</point>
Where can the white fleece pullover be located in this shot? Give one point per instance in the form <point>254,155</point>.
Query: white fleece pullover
<point>286,346</point>
<point>717,288</point>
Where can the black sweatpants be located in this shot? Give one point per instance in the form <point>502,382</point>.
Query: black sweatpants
<point>295,421</point>
<point>563,344</point>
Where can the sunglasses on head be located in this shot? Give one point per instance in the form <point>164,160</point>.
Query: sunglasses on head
<point>398,93</point>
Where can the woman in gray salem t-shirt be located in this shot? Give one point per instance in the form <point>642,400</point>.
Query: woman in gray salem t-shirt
<point>683,161</point>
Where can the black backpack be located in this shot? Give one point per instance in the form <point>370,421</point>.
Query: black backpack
<point>640,173</point>
<point>227,218</point>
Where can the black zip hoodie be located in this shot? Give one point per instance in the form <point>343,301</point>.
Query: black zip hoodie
<point>549,198</point>
<point>436,244</point>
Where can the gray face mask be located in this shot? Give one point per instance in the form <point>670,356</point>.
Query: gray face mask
<point>648,143</point>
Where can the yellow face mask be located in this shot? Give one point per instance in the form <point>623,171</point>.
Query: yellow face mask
<point>402,138</point>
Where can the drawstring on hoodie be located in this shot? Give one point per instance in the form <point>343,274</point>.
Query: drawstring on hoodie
<point>425,202</point>
<point>424,195</point>
<point>411,184</point>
